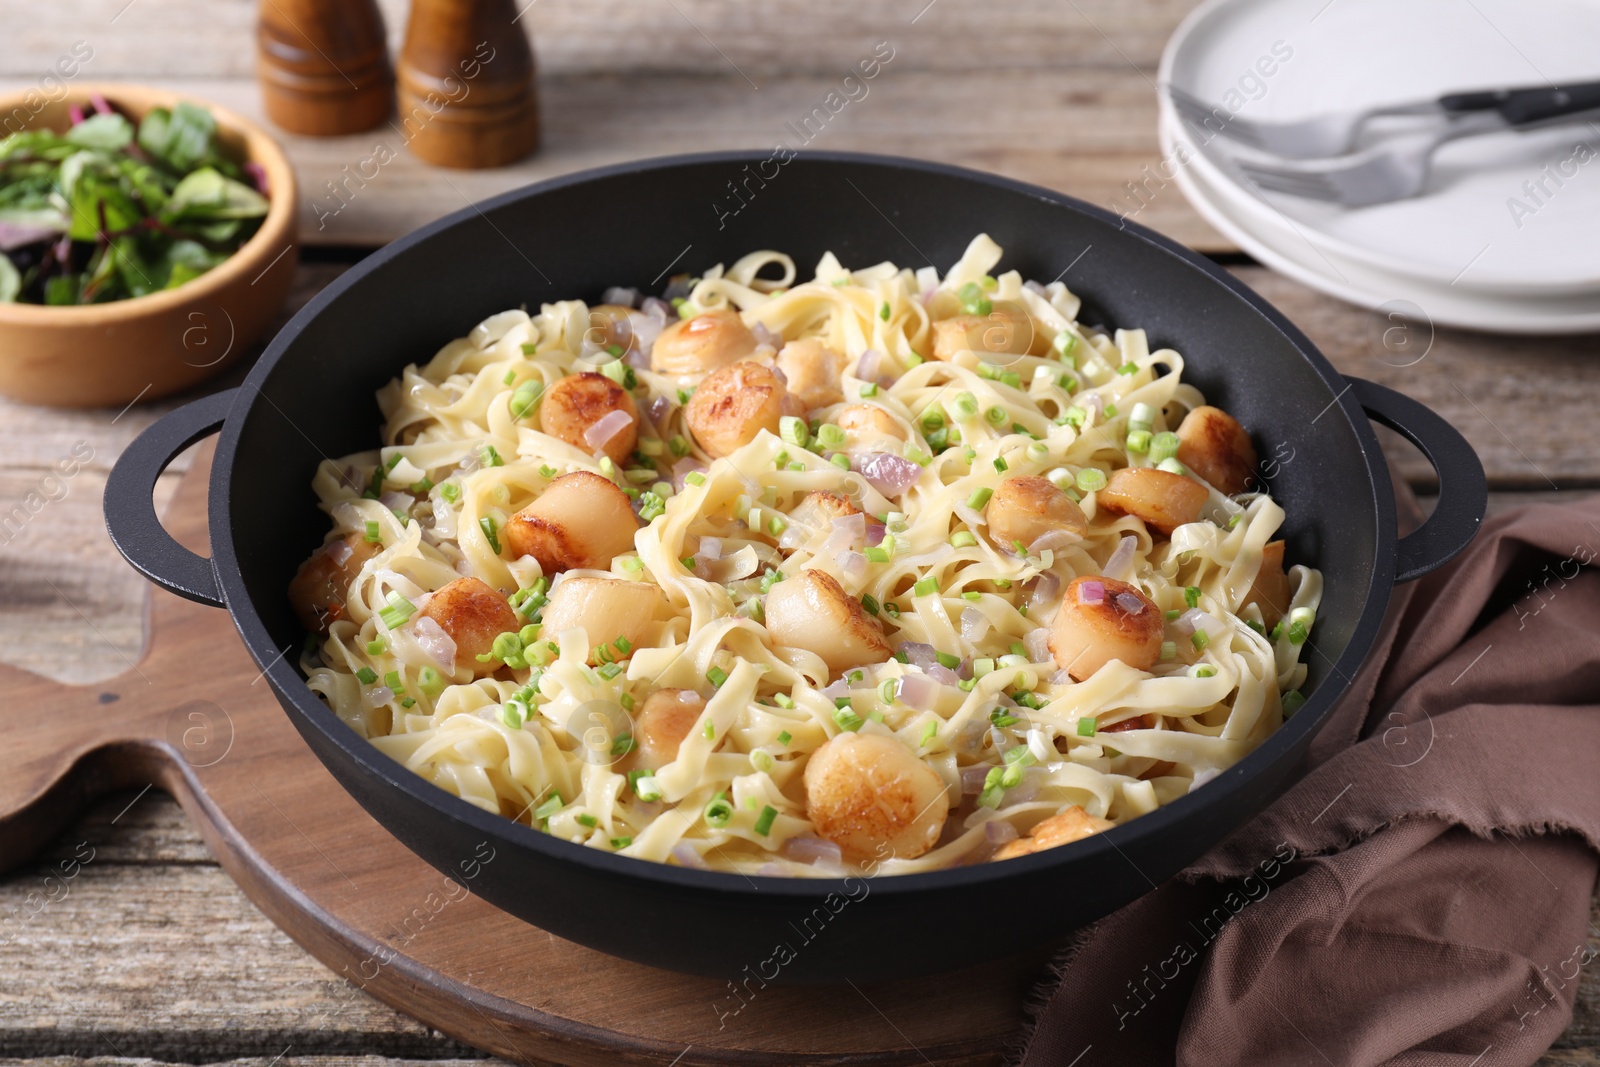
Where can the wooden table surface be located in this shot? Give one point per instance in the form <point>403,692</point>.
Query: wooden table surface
<point>155,955</point>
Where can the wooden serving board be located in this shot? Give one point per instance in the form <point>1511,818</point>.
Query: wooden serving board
<point>195,718</point>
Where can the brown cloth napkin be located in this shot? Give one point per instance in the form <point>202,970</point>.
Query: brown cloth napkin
<point>1420,898</point>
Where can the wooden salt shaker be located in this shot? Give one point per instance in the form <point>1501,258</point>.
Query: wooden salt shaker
<point>323,65</point>
<point>465,84</point>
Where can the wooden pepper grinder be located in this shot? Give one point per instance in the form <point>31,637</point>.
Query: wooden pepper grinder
<point>323,65</point>
<point>465,84</point>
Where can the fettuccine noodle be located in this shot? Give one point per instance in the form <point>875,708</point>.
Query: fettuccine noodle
<point>708,721</point>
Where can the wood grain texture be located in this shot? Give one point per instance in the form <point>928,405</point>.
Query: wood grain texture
<point>614,36</point>
<point>367,189</point>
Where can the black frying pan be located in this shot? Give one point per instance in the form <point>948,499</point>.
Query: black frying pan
<point>311,396</point>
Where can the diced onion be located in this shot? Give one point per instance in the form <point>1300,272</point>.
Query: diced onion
<point>378,695</point>
<point>972,779</point>
<point>943,675</point>
<point>974,624</point>
<point>808,849</point>
<point>683,468</point>
<point>658,409</point>
<point>710,548</point>
<point>1196,619</point>
<point>339,551</point>
<point>1046,588</point>
<point>598,435</point>
<point>937,554</point>
<point>1120,565</point>
<point>686,856</point>
<point>849,532</point>
<point>1091,592</point>
<point>431,638</point>
<point>971,516</point>
<point>853,565</point>
<point>918,691</point>
<point>1037,642</point>
<point>628,298</point>
<point>888,473</point>
<point>658,309</point>
<point>835,689</point>
<point>998,832</point>
<point>1130,603</point>
<point>1053,541</point>
<point>919,654</point>
<point>868,366</point>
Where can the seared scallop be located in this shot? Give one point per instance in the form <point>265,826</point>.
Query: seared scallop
<point>1270,590</point>
<point>1123,624</point>
<point>734,404</point>
<point>473,615</point>
<point>1213,445</point>
<point>1073,824</point>
<point>582,520</point>
<point>591,413</point>
<point>872,796</point>
<point>701,344</point>
<point>1165,501</point>
<point>812,611</point>
<point>322,584</point>
<point>813,370</point>
<point>869,428</point>
<point>605,609</point>
<point>1005,331</point>
<point>1025,507</point>
<point>663,721</point>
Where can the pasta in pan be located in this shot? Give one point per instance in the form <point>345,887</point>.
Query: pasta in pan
<point>880,572</point>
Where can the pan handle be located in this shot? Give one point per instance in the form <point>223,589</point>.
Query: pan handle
<point>1463,491</point>
<point>130,507</point>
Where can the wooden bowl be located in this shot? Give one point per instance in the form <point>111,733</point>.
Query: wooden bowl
<point>148,346</point>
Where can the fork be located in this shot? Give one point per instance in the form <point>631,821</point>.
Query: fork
<point>1393,171</point>
<point>1335,134</point>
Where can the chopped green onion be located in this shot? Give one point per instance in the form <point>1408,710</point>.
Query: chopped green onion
<point>1173,614</point>
<point>1191,595</point>
<point>1292,702</point>
<point>366,675</point>
<point>963,539</point>
<point>992,788</point>
<point>883,311</point>
<point>979,498</point>
<point>925,586</point>
<point>549,807</point>
<point>429,681</point>
<point>1075,417</point>
<point>761,759</point>
<point>491,531</point>
<point>947,660</point>
<point>587,820</point>
<point>450,491</point>
<point>1199,639</point>
<point>769,813</point>
<point>1086,727</point>
<point>887,691</point>
<point>609,671</point>
<point>869,390</point>
<point>771,578</point>
<point>1163,446</point>
<point>1091,479</point>
<point>490,457</point>
<point>891,609</point>
<point>794,431</point>
<point>526,396</point>
<point>720,811</point>
<point>973,300</point>
<point>876,554</point>
<point>377,646</point>
<point>914,360</point>
<point>373,535</point>
<point>1002,718</point>
<point>1172,466</point>
<point>1277,631</point>
<point>1297,633</point>
<point>1129,367</point>
<point>1139,441</point>
<point>1169,651</point>
<point>839,459</point>
<point>530,348</point>
<point>678,445</point>
<point>996,415</point>
<point>1000,464</point>
<point>785,737</point>
<point>784,700</point>
<point>869,604</point>
<point>1111,411</point>
<point>716,676</point>
<point>1204,670</point>
<point>695,478</point>
<point>621,842</point>
<point>847,719</point>
<point>830,436</point>
<point>399,610</point>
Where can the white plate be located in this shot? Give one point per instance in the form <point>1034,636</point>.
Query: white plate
<point>1287,59</point>
<point>1280,246</point>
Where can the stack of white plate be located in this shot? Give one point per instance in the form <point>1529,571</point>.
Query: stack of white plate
<point>1506,235</point>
